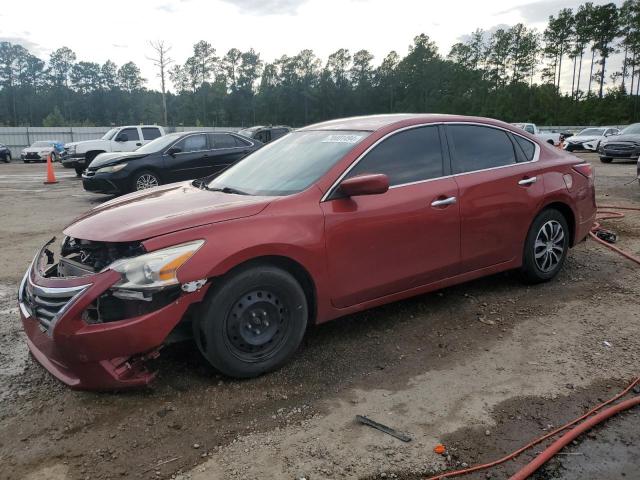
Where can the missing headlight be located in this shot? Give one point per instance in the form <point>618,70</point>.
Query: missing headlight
<point>111,306</point>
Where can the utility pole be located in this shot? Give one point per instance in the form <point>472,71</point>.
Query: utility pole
<point>162,61</point>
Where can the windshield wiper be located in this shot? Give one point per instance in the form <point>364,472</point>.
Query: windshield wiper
<point>228,190</point>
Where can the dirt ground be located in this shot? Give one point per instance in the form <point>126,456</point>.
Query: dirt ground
<point>482,367</point>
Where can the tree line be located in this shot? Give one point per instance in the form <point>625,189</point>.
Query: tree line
<point>562,75</point>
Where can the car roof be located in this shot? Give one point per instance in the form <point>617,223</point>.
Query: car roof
<point>371,123</point>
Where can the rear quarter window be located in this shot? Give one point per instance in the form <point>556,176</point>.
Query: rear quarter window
<point>527,146</point>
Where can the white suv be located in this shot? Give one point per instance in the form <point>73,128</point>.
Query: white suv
<point>78,155</point>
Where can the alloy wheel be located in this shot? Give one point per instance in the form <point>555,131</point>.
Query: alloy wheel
<point>146,180</point>
<point>549,246</point>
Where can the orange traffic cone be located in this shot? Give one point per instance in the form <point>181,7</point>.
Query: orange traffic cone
<point>51,175</point>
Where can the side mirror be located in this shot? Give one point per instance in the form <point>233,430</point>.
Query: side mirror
<point>173,150</point>
<point>367,184</point>
<point>123,137</point>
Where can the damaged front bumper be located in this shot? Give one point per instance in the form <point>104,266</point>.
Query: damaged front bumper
<point>83,353</point>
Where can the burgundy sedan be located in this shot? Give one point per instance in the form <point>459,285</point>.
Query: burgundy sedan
<point>331,219</point>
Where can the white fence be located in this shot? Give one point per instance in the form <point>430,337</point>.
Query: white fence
<point>17,138</point>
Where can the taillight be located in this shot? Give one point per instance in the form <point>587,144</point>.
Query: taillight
<point>584,169</point>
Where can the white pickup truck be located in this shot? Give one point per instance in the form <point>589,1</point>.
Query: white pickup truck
<point>549,137</point>
<point>78,155</point>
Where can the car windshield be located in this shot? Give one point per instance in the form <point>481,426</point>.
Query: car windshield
<point>159,143</point>
<point>288,165</point>
<point>42,144</point>
<point>593,132</point>
<point>635,128</point>
<point>109,134</point>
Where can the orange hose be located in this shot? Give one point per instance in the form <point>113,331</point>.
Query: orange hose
<point>535,442</point>
<point>572,434</point>
<point>558,444</point>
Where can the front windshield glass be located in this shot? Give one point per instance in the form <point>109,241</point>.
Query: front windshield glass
<point>593,132</point>
<point>159,143</point>
<point>635,128</point>
<point>42,144</point>
<point>109,134</point>
<point>288,165</point>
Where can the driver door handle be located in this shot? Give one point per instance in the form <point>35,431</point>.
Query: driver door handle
<point>528,181</point>
<point>441,202</point>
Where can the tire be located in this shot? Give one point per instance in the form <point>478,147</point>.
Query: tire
<point>551,142</point>
<point>252,322</point>
<point>569,148</point>
<point>26,161</point>
<point>546,247</point>
<point>606,159</point>
<point>7,158</point>
<point>144,180</point>
<point>79,171</point>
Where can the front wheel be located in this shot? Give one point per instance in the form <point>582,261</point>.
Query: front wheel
<point>606,159</point>
<point>79,171</point>
<point>252,322</point>
<point>546,247</point>
<point>144,180</point>
<point>7,158</point>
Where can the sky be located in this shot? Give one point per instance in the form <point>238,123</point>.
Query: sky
<point>121,30</point>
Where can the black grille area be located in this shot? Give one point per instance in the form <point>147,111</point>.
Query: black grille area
<point>46,304</point>
<point>32,156</point>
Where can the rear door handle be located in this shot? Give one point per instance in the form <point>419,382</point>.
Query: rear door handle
<point>528,181</point>
<point>444,201</point>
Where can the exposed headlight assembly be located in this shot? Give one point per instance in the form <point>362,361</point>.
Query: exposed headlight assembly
<point>154,270</point>
<point>112,168</point>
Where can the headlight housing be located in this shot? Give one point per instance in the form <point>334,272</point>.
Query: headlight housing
<point>154,270</point>
<point>72,149</point>
<point>112,168</point>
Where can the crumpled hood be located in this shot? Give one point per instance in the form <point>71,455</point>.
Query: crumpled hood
<point>161,210</point>
<point>630,137</point>
<point>105,159</point>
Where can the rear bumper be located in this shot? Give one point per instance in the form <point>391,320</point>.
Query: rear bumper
<point>99,356</point>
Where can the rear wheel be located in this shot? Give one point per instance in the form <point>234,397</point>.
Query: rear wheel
<point>252,322</point>
<point>546,247</point>
<point>7,158</point>
<point>144,180</point>
<point>606,159</point>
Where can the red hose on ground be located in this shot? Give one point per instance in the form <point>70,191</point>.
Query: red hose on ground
<point>549,452</point>
<point>572,434</point>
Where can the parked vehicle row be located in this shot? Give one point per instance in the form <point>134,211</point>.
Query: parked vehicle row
<point>5,153</point>
<point>331,219</point>
<point>169,158</point>
<point>266,134</point>
<point>589,139</point>
<point>78,155</point>
<point>552,138</point>
<point>39,151</point>
<point>625,145</point>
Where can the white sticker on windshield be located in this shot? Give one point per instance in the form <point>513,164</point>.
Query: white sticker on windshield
<point>342,139</point>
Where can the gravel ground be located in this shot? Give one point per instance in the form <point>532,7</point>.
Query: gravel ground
<point>482,367</point>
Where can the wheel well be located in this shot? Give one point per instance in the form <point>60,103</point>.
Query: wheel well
<point>93,153</point>
<point>300,273</point>
<point>567,213</point>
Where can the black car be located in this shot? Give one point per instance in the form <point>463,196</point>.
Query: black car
<point>172,158</point>
<point>5,153</point>
<point>626,145</point>
<point>265,134</point>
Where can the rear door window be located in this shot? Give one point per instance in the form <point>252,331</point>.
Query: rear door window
<point>408,156</point>
<point>477,147</point>
<point>150,133</point>
<point>222,140</point>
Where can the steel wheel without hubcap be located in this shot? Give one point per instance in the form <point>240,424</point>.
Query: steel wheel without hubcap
<point>146,180</point>
<point>256,325</point>
<point>549,246</point>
